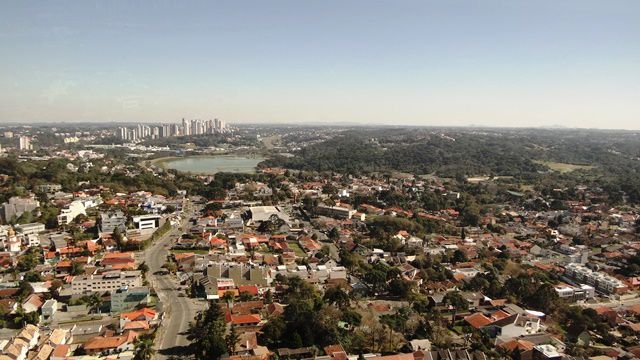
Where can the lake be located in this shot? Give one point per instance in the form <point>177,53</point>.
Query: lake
<point>214,164</point>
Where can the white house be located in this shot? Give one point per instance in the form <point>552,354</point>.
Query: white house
<point>144,222</point>
<point>75,208</point>
<point>49,308</point>
<point>32,240</point>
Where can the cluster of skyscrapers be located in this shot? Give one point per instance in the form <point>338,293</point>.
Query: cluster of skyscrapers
<point>185,128</point>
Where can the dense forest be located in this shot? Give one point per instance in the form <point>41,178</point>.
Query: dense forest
<point>610,159</point>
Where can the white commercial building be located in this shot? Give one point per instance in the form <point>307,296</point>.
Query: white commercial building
<point>144,222</point>
<point>29,229</point>
<point>575,293</point>
<point>337,212</point>
<point>109,281</point>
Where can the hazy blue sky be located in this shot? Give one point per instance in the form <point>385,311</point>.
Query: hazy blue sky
<point>509,63</point>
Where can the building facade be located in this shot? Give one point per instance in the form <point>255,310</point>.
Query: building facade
<point>127,298</point>
<point>109,281</point>
<point>146,222</point>
<point>602,282</point>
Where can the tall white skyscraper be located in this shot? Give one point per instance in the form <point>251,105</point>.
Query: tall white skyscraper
<point>25,143</point>
<point>185,127</point>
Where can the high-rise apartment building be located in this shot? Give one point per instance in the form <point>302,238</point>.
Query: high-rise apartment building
<point>25,143</point>
<point>184,128</point>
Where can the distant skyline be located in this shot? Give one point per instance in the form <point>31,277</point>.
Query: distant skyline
<point>572,63</point>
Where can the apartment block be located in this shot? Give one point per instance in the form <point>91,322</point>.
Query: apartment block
<point>337,212</point>
<point>602,282</point>
<point>109,281</point>
<point>127,298</point>
<point>16,206</point>
<point>112,220</point>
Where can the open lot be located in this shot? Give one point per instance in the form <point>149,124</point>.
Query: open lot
<point>563,167</point>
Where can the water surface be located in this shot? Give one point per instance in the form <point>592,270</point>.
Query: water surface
<point>214,164</point>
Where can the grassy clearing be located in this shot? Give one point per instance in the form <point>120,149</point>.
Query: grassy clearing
<point>563,167</point>
<point>263,249</point>
<point>81,319</point>
<point>195,251</point>
<point>297,249</point>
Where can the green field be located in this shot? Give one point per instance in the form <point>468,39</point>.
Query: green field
<point>196,251</point>
<point>297,249</point>
<point>563,167</point>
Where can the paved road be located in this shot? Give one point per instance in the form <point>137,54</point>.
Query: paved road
<point>616,304</point>
<point>179,311</point>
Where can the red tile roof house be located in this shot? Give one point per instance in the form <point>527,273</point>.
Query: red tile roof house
<point>336,352</point>
<point>111,344</point>
<point>63,267</point>
<point>6,260</point>
<point>249,322</point>
<point>633,283</point>
<point>478,320</point>
<point>278,246</point>
<point>140,326</point>
<point>275,309</point>
<point>60,352</point>
<point>9,305</point>
<point>144,314</point>
<point>33,303</point>
<point>120,260</point>
<point>609,314</point>
<point>217,243</point>
<point>517,345</point>
<point>70,252</point>
<point>251,240</point>
<point>246,307</point>
<point>309,245</point>
<point>251,289</point>
<point>506,328</point>
<point>634,310</point>
<point>8,292</point>
<point>92,247</point>
<point>185,261</point>
<point>270,260</point>
<point>278,237</point>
